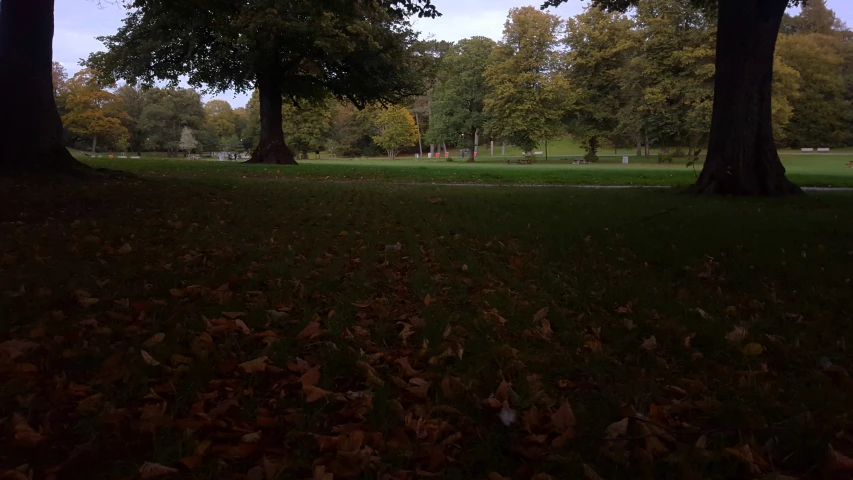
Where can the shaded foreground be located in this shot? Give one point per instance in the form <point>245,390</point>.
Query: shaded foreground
<point>217,328</point>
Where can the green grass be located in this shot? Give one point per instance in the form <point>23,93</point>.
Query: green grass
<point>819,171</point>
<point>614,268</point>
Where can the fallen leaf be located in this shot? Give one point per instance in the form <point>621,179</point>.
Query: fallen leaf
<point>427,300</point>
<point>24,433</point>
<point>311,377</point>
<point>541,314</point>
<point>154,340</point>
<point>312,393</point>
<point>191,462</point>
<point>836,462</point>
<point>242,326</point>
<point>590,474</point>
<point>254,366</point>
<point>564,417</point>
<point>253,437</point>
<point>149,359</point>
<point>125,249</point>
<point>650,343</point>
<point>746,456</point>
<point>737,335</point>
<point>153,470</point>
<point>618,429</point>
<point>13,349</point>
<point>311,331</point>
<point>437,201</point>
<point>753,349</point>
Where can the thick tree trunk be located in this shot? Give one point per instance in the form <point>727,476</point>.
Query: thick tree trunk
<point>639,147</point>
<point>30,127</point>
<point>94,144</point>
<point>473,145</point>
<point>271,148</point>
<point>742,157</point>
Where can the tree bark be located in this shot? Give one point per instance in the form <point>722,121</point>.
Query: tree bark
<point>271,148</point>
<point>742,157</point>
<point>420,143</point>
<point>473,145</point>
<point>639,147</point>
<point>30,127</point>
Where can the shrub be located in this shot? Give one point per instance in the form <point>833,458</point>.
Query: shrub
<point>664,158</point>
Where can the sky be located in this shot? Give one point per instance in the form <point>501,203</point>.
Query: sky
<point>78,22</point>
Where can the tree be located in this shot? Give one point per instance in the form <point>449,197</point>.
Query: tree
<point>821,113</point>
<point>306,125</point>
<point>458,100</point>
<point>786,89</point>
<point>30,126</point>
<point>742,157</point>
<point>188,141</point>
<point>351,132</point>
<point>815,17</point>
<point>58,77</point>
<point>221,119</point>
<point>165,114</point>
<point>524,100</point>
<point>133,101</point>
<point>93,112</point>
<point>357,51</point>
<point>396,129</point>
<point>599,46</point>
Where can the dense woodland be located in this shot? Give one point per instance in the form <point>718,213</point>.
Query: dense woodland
<point>640,78</point>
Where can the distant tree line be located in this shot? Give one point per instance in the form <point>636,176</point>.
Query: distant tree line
<point>642,78</point>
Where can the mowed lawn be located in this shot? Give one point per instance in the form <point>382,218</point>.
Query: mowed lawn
<point>813,171</point>
<point>233,328</point>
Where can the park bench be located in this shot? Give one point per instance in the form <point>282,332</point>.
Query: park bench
<point>804,150</point>
<point>193,156</point>
<point>522,161</point>
<point>580,162</point>
<point>823,150</point>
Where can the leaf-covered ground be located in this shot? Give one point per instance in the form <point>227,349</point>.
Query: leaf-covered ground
<point>260,330</point>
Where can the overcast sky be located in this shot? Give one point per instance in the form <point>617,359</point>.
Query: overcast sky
<point>78,22</point>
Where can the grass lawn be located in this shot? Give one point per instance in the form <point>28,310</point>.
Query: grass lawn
<point>231,328</point>
<point>820,171</point>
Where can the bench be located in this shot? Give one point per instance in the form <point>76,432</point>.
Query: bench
<point>807,149</point>
<point>580,162</point>
<point>522,161</point>
<point>823,150</point>
<point>193,156</point>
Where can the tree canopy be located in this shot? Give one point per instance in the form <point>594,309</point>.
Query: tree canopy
<point>357,51</point>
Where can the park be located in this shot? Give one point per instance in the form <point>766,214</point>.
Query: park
<point>328,284</point>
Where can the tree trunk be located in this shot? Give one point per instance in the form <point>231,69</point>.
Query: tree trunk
<point>546,150</point>
<point>473,145</point>
<point>503,150</point>
<point>742,157</point>
<point>271,148</point>
<point>94,144</point>
<point>30,127</point>
<point>647,146</point>
<point>420,144</point>
<point>639,147</point>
